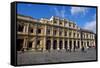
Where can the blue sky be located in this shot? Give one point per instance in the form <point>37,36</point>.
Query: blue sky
<point>84,17</point>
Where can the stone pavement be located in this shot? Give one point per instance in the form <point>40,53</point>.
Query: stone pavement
<point>55,56</point>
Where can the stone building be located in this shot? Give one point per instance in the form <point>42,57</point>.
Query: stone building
<point>51,34</point>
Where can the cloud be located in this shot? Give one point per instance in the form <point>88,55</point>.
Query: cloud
<point>60,13</point>
<point>77,10</point>
<point>63,12</point>
<point>91,25</point>
<point>56,11</point>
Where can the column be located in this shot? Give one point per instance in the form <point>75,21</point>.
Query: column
<point>63,46</point>
<point>24,29</point>
<point>51,44</point>
<point>25,44</point>
<point>44,46</point>
<point>45,30</point>
<point>76,43</point>
<point>52,31</point>
<point>34,43</point>
<point>27,28</point>
<point>89,43</point>
<point>58,32</point>
<point>57,43</point>
<point>71,33</point>
<point>86,43</point>
<point>72,44</point>
<point>35,29</point>
<point>68,44</point>
<point>80,41</point>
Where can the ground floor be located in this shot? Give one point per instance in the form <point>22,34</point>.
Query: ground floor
<point>55,56</point>
<point>50,43</point>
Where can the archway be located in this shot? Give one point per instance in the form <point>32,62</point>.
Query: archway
<point>48,45</point>
<point>70,45</point>
<point>74,45</point>
<point>55,44</point>
<point>60,44</point>
<point>65,44</point>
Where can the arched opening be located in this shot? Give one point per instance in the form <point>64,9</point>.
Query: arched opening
<point>48,45</point>
<point>55,44</point>
<point>60,44</point>
<point>65,44</point>
<point>78,44</point>
<point>19,44</point>
<point>70,45</point>
<point>74,45</point>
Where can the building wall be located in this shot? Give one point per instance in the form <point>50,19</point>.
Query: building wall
<point>53,34</point>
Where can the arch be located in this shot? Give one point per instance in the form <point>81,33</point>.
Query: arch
<point>70,45</point>
<point>65,44</point>
<point>55,44</point>
<point>48,44</point>
<point>60,44</point>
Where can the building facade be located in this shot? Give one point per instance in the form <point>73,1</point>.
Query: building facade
<point>51,34</point>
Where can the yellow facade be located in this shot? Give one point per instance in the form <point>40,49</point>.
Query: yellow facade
<point>51,34</point>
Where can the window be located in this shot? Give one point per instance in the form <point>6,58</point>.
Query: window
<point>55,22</point>
<point>60,23</point>
<point>55,32</point>
<point>20,28</point>
<point>74,34</point>
<point>69,34</point>
<point>74,26</point>
<point>48,31</point>
<point>60,32</point>
<point>65,33</point>
<point>78,35</point>
<point>70,25</point>
<point>39,31</point>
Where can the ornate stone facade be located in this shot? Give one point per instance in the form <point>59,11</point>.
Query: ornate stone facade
<point>51,34</point>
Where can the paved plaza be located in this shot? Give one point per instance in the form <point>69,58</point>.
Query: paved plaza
<point>54,56</point>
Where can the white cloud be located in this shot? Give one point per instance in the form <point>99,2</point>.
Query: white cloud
<point>60,13</point>
<point>91,25</point>
<point>77,10</point>
<point>56,11</point>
